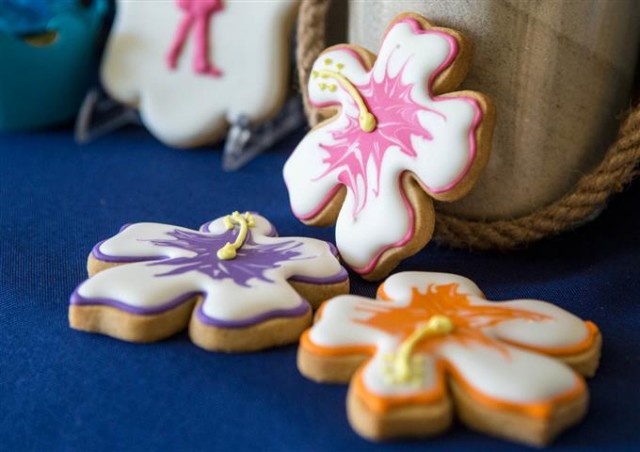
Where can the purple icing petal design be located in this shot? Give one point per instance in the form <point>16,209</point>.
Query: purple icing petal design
<point>199,254</point>
<point>252,261</point>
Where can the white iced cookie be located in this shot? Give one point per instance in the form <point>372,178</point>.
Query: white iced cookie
<point>235,284</point>
<point>398,139</point>
<point>187,65</point>
<point>431,343</point>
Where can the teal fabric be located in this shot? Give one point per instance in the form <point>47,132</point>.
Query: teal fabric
<point>63,390</point>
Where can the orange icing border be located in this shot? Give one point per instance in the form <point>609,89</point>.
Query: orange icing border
<point>592,332</point>
<point>382,404</point>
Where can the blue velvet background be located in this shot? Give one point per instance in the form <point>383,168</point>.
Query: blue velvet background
<point>65,390</point>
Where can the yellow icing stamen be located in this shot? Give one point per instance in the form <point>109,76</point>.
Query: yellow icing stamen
<point>401,367</point>
<point>246,221</point>
<point>367,120</point>
<point>328,61</point>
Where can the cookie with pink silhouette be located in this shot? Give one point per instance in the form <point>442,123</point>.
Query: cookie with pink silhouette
<point>398,137</point>
<point>233,283</point>
<point>189,66</point>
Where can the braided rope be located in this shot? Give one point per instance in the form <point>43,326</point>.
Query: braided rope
<point>587,198</point>
<point>311,38</point>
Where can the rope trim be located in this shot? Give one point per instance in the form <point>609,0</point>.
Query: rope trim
<point>586,200</point>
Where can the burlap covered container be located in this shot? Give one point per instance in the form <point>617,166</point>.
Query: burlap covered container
<point>562,76</point>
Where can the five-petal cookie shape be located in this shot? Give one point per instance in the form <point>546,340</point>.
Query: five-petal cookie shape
<point>431,342</point>
<point>237,285</point>
<point>398,138</point>
<point>190,65</point>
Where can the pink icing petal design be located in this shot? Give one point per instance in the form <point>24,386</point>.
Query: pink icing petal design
<point>197,15</point>
<point>397,120</point>
<point>388,122</point>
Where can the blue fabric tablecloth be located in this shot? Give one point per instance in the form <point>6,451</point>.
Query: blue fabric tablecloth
<point>65,390</point>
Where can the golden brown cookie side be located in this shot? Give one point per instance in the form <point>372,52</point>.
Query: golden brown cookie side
<point>409,421</point>
<point>130,327</point>
<point>515,426</point>
<point>271,333</point>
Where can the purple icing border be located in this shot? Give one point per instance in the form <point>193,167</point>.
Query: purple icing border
<point>95,252</point>
<point>297,311</point>
<point>78,299</point>
<point>301,309</point>
<point>341,276</point>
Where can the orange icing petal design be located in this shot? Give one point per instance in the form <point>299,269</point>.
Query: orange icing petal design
<point>469,319</point>
<point>477,353</point>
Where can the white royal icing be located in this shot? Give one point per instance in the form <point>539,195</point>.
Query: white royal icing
<point>246,41</point>
<point>374,215</point>
<point>506,372</point>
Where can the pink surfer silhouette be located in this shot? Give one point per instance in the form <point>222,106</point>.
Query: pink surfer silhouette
<point>197,14</point>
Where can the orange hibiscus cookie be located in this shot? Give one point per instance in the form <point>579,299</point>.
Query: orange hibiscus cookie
<point>399,138</point>
<point>431,342</point>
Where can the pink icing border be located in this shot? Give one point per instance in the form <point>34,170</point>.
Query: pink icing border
<point>453,53</point>
<point>453,44</point>
<point>403,241</point>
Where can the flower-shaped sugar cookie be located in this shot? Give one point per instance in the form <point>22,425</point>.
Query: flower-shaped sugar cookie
<point>398,138</point>
<point>431,342</point>
<point>188,65</point>
<point>236,284</point>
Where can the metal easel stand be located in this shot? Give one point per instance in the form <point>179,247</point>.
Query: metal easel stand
<point>99,115</point>
<point>246,141</point>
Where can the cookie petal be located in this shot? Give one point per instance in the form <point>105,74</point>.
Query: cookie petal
<point>418,53</point>
<point>369,224</point>
<point>136,242</point>
<point>558,332</point>
<point>229,305</point>
<point>310,187</point>
<point>262,226</point>
<point>505,378</point>
<point>427,384</point>
<point>444,159</point>
<point>316,262</point>
<point>340,326</point>
<point>138,288</point>
<point>400,286</point>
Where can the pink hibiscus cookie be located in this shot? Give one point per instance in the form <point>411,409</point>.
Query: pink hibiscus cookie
<point>398,139</point>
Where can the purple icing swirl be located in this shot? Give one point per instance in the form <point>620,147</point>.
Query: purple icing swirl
<point>253,261</point>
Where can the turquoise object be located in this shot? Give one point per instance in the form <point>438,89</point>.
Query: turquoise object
<point>45,71</point>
